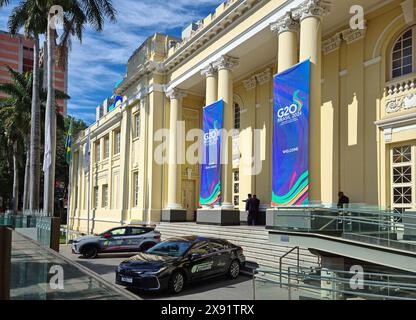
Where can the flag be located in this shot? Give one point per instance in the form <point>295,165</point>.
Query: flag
<point>47,158</point>
<point>87,154</point>
<point>68,144</point>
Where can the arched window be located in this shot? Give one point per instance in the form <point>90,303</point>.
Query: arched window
<point>403,56</point>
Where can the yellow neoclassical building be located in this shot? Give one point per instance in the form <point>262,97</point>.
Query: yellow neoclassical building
<point>362,111</point>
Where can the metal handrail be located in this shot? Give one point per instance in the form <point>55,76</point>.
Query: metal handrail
<point>395,285</point>
<point>285,255</point>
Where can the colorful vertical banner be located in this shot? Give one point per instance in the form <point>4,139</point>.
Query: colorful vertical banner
<point>290,178</point>
<point>211,155</point>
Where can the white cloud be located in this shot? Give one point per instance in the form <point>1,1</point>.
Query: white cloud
<point>99,62</point>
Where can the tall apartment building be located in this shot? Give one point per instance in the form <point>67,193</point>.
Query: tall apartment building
<point>17,53</point>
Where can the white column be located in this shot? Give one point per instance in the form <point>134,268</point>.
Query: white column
<point>210,73</point>
<point>287,30</point>
<point>225,92</point>
<point>174,168</point>
<point>310,15</point>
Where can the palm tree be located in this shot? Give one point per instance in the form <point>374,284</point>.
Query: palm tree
<point>30,16</point>
<point>15,114</point>
<point>78,14</point>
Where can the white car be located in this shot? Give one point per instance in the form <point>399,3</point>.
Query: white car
<point>116,240</point>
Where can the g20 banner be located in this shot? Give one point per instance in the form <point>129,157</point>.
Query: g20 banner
<point>291,136</point>
<point>211,155</point>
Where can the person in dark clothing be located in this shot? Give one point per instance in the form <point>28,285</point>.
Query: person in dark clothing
<point>342,200</point>
<point>253,210</point>
<point>247,201</point>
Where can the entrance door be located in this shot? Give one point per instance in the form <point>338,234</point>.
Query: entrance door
<point>188,200</point>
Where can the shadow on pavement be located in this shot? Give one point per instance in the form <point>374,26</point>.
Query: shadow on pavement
<point>194,288</point>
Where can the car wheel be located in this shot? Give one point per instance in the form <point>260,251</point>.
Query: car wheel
<point>177,282</point>
<point>90,252</point>
<point>234,270</point>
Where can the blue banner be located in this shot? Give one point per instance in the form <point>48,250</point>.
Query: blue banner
<point>211,155</point>
<point>291,136</point>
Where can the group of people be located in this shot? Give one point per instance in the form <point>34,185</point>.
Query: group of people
<point>253,209</point>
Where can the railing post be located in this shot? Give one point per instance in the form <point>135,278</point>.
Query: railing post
<point>55,233</point>
<point>254,285</point>
<point>5,262</point>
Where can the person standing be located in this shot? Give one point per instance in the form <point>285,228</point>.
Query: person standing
<point>256,209</point>
<point>342,200</point>
<point>249,209</point>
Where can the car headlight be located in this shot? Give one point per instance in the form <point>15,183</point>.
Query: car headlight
<point>156,271</point>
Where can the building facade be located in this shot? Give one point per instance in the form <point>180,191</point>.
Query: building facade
<point>362,110</point>
<point>16,52</point>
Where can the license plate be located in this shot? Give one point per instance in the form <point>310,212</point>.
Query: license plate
<point>128,280</point>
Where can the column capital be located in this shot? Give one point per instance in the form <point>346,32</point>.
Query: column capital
<point>226,62</point>
<point>311,8</point>
<point>286,23</point>
<point>209,71</point>
<point>176,94</point>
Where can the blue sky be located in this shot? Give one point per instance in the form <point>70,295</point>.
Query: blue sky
<point>100,61</point>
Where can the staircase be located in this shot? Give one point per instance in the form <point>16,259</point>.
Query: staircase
<point>259,251</point>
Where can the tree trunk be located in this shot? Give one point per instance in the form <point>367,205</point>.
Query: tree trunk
<point>50,128</point>
<point>26,183</point>
<point>34,183</point>
<point>15,179</point>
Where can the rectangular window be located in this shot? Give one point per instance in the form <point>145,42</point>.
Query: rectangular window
<point>97,151</point>
<point>236,188</point>
<point>105,196</point>
<point>117,137</point>
<point>137,125</point>
<point>135,189</point>
<point>96,197</point>
<point>106,147</point>
<point>403,182</point>
<point>237,116</point>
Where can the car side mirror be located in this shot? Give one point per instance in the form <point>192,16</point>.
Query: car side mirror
<point>107,235</point>
<point>195,256</point>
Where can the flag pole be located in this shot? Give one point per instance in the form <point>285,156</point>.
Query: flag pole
<point>89,182</point>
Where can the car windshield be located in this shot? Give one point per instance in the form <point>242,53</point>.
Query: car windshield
<point>170,248</point>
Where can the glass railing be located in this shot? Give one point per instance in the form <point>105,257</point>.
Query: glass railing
<point>364,224</point>
<point>324,284</point>
<point>36,227</point>
<point>38,273</point>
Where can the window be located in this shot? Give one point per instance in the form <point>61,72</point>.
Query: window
<point>403,182</point>
<point>106,147</point>
<point>201,248</point>
<point>96,195</point>
<point>117,232</point>
<point>97,151</point>
<point>236,188</point>
<point>237,116</point>
<point>105,196</point>
<point>137,231</point>
<point>135,189</point>
<point>117,137</point>
<point>402,60</point>
<point>137,125</point>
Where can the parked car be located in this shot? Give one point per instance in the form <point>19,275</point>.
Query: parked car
<point>173,263</point>
<point>121,239</point>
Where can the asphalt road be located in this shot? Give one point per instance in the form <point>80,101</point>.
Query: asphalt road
<point>214,289</point>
